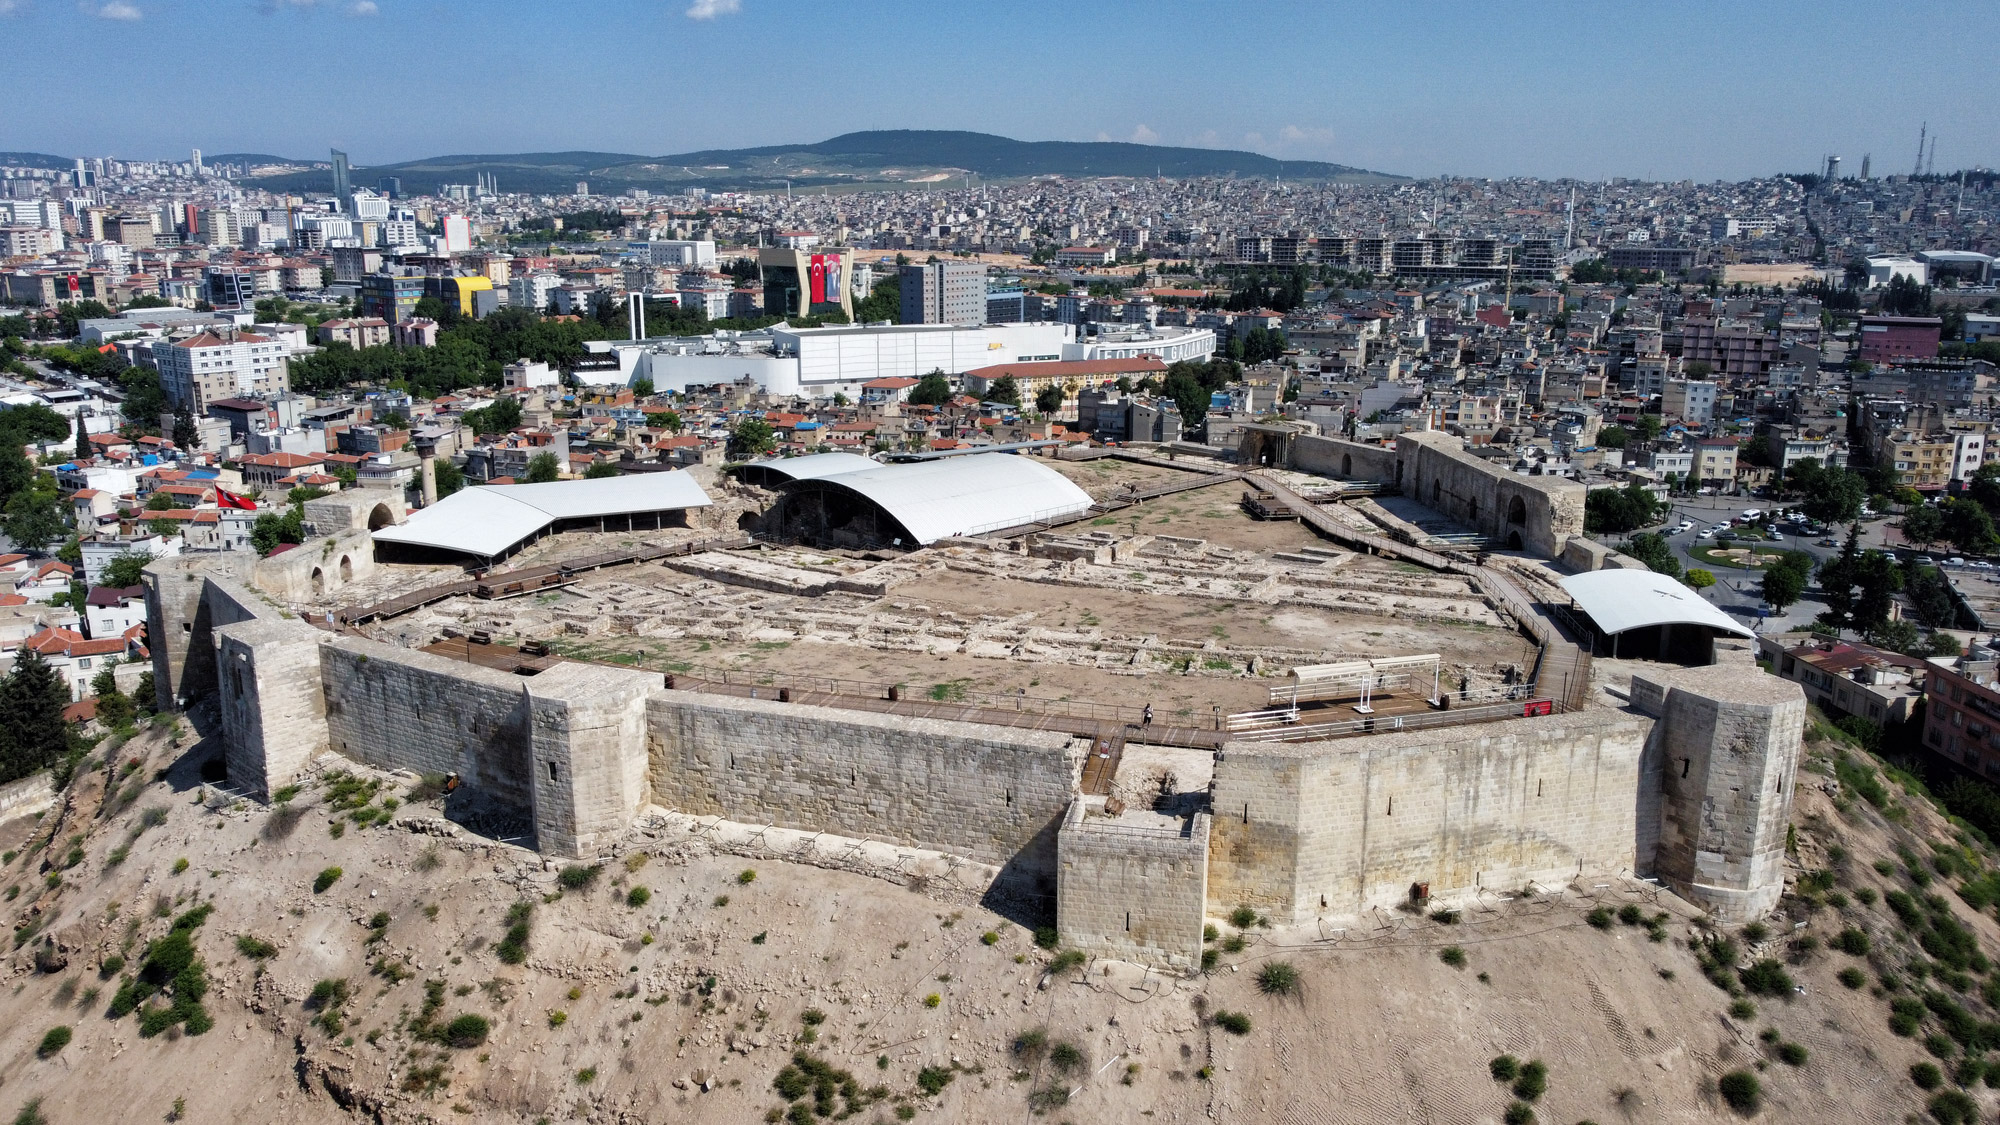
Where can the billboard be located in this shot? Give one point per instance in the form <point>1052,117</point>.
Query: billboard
<point>826,279</point>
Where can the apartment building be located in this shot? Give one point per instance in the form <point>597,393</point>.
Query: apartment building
<point>1848,679</point>
<point>1962,719</point>
<point>947,291</point>
<point>1715,462</point>
<point>361,332</point>
<point>207,367</point>
<point>1924,460</point>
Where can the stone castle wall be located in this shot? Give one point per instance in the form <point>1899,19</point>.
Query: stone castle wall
<point>995,794</point>
<point>1335,828</point>
<point>1133,887</point>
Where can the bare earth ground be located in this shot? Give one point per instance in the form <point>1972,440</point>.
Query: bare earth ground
<point>1063,632</point>
<point>689,989</point>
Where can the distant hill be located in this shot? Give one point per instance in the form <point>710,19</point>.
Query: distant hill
<point>882,158</point>
<point>36,160</point>
<point>255,158</point>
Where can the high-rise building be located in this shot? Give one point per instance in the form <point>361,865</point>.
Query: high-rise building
<point>457,234</point>
<point>197,162</point>
<point>947,291</point>
<point>343,190</point>
<point>391,186</point>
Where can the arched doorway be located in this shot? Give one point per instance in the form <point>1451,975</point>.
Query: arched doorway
<point>1514,540</point>
<point>346,569</point>
<point>1347,464</point>
<point>318,581</point>
<point>380,517</point>
<point>1517,512</point>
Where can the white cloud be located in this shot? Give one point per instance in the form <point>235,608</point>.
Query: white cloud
<point>7,7</point>
<point>120,10</point>
<point>1209,138</point>
<point>1144,135</point>
<point>362,8</point>
<point>1103,136</point>
<point>1311,134</point>
<point>709,9</point>
<point>1253,140</point>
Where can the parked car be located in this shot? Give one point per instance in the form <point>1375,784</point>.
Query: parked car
<point>1751,514</point>
<point>1954,561</point>
<point>1706,533</point>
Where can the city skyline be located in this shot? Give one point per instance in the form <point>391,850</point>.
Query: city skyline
<point>1700,92</point>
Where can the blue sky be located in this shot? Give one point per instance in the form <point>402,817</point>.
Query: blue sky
<point>1673,90</point>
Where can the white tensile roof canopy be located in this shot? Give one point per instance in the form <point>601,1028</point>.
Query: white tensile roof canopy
<point>1622,600</point>
<point>491,520</point>
<point>967,495</point>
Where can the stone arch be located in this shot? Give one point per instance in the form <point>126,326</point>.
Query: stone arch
<point>1514,538</point>
<point>346,569</point>
<point>1472,512</point>
<point>318,581</point>
<point>380,517</point>
<point>1437,493</point>
<point>1517,511</point>
<point>1347,464</point>
<point>1399,472</point>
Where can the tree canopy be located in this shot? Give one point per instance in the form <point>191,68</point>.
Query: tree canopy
<point>1612,511</point>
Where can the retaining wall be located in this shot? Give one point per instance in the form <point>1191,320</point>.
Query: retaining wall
<point>995,794</point>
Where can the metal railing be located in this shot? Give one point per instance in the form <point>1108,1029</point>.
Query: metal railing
<point>1388,724</point>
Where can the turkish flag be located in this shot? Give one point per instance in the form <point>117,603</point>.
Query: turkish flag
<point>227,499</point>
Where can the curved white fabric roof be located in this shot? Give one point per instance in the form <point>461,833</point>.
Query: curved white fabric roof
<point>982,492</point>
<point>488,520</point>
<point>813,466</point>
<point>1621,600</point>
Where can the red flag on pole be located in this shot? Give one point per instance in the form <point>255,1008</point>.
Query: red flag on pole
<point>227,499</point>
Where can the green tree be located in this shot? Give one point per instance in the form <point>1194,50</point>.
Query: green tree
<point>450,478</point>
<point>33,735</point>
<point>668,420</point>
<point>1783,585</point>
<point>1611,511</point>
<point>83,450</point>
<point>271,529</point>
<point>1190,398</point>
<point>751,437</point>
<point>114,707</point>
<point>126,569</point>
<point>642,388</point>
<point>1967,526</point>
<point>34,519</point>
<point>543,468</point>
<point>1698,579</point>
<point>1830,495</point>
<point>931,390</point>
<point>1649,426</point>
<point>185,436</point>
<point>1923,525</point>
<point>502,416</point>
<point>1004,389</point>
<point>1654,551</point>
<point>1050,399</point>
<point>598,470</point>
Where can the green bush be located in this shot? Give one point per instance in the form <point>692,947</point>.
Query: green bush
<point>1243,917</point>
<point>467,1031</point>
<point>1278,978</point>
<point>1852,941</point>
<point>1452,955</point>
<point>638,896</point>
<point>1505,1068</point>
<point>1600,918</point>
<point>1030,1045</point>
<point>577,876</point>
<point>1766,978</point>
<point>513,948</point>
<point>1741,1090</point>
<point>1533,1082</point>
<point>1066,960</point>
<point>1927,1076</point>
<point>53,1040</point>
<point>325,879</point>
<point>1047,937</point>
<point>1520,1113</point>
<point>255,948</point>
<point>1792,1054</point>
<point>1852,977</point>
<point>1235,1023</point>
<point>1953,1107</point>
<point>933,1079</point>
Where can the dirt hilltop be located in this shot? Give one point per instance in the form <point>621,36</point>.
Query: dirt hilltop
<point>677,979</point>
